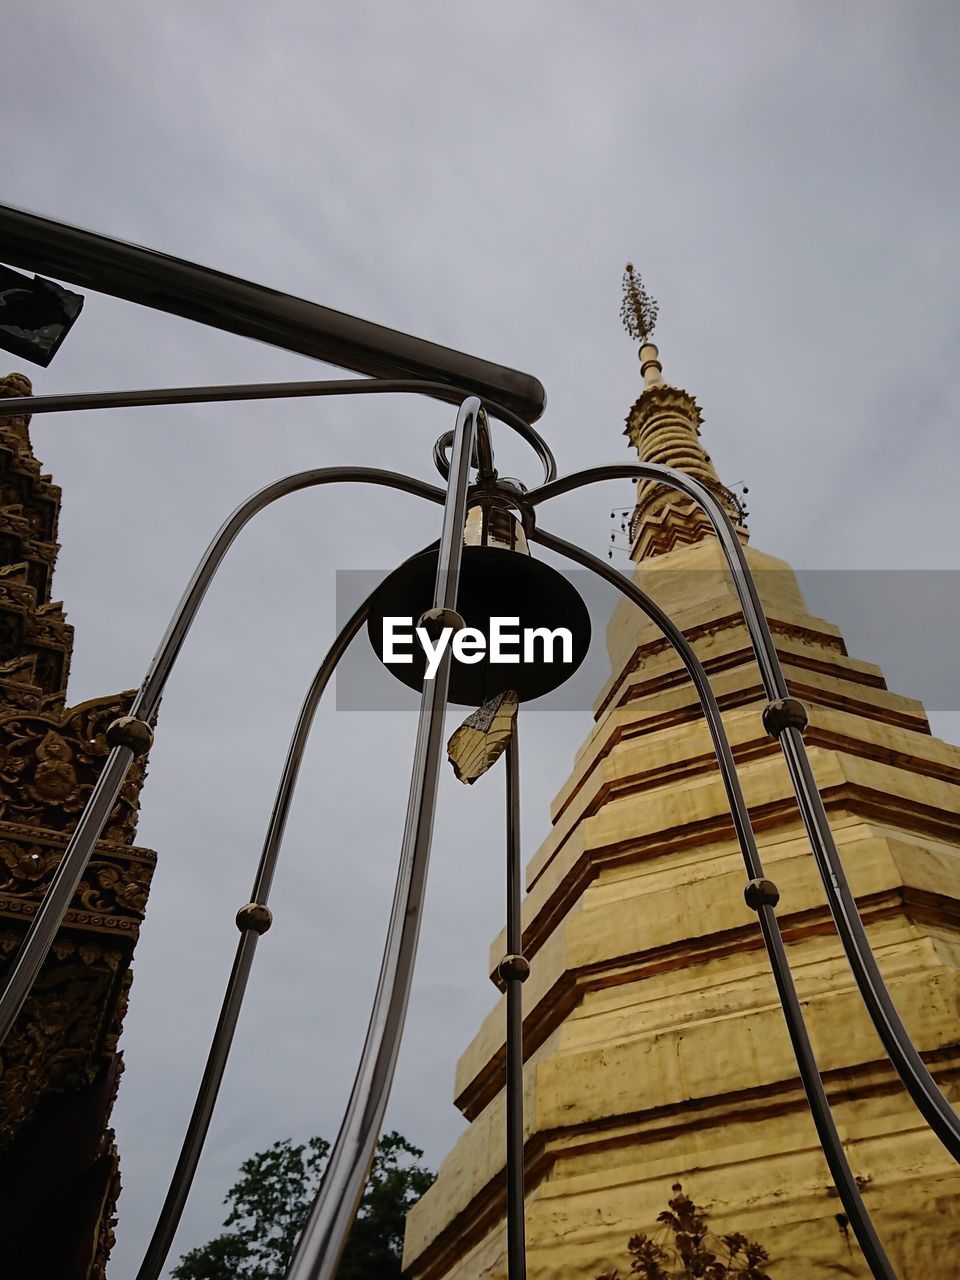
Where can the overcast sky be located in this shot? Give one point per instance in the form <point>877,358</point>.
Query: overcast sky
<point>784,175</point>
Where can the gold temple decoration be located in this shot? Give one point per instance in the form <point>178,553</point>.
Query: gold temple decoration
<point>639,309</point>
<point>482,738</point>
<point>664,427</point>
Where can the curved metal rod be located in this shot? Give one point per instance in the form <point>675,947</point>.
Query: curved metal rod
<point>63,886</point>
<point>186,1167</point>
<point>514,971</point>
<point>907,1062</point>
<point>318,1251</point>
<point>76,401</point>
<point>803,1052</point>
<point>483,460</point>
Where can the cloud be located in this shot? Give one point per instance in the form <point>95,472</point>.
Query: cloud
<point>477,175</point>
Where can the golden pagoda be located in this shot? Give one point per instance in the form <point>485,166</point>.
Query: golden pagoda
<point>656,1050</point>
<point>59,1068</point>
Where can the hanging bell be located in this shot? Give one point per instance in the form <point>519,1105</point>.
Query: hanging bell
<point>498,579</point>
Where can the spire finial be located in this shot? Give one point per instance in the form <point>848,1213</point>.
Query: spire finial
<point>639,311</point>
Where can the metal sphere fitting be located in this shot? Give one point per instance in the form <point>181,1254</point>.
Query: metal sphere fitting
<point>514,969</point>
<point>128,731</point>
<point>255,916</point>
<point>784,713</point>
<point>435,621</point>
<point>761,893</point>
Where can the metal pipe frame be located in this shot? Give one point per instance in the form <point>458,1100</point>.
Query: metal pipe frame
<point>840,1170</point>
<point>908,1063</point>
<point>43,928</point>
<point>200,1119</point>
<point>472,428</point>
<point>513,971</point>
<point>17,406</point>
<point>319,1249</point>
<point>182,288</point>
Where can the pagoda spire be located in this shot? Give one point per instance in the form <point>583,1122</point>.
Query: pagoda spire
<point>655,1047</point>
<point>664,427</point>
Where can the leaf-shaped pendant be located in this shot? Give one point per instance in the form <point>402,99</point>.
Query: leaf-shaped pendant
<point>482,738</point>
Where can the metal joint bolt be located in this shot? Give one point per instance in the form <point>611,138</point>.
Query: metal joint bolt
<point>516,491</point>
<point>128,731</point>
<point>761,893</point>
<point>435,621</point>
<point>255,916</point>
<point>514,969</point>
<point>784,713</point>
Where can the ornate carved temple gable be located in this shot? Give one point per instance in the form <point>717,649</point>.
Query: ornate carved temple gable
<point>60,1067</point>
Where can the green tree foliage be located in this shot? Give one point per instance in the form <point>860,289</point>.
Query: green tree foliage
<point>685,1249</point>
<point>269,1203</point>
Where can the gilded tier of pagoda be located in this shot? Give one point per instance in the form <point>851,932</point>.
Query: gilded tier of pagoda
<point>59,1069</point>
<point>656,1049</point>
